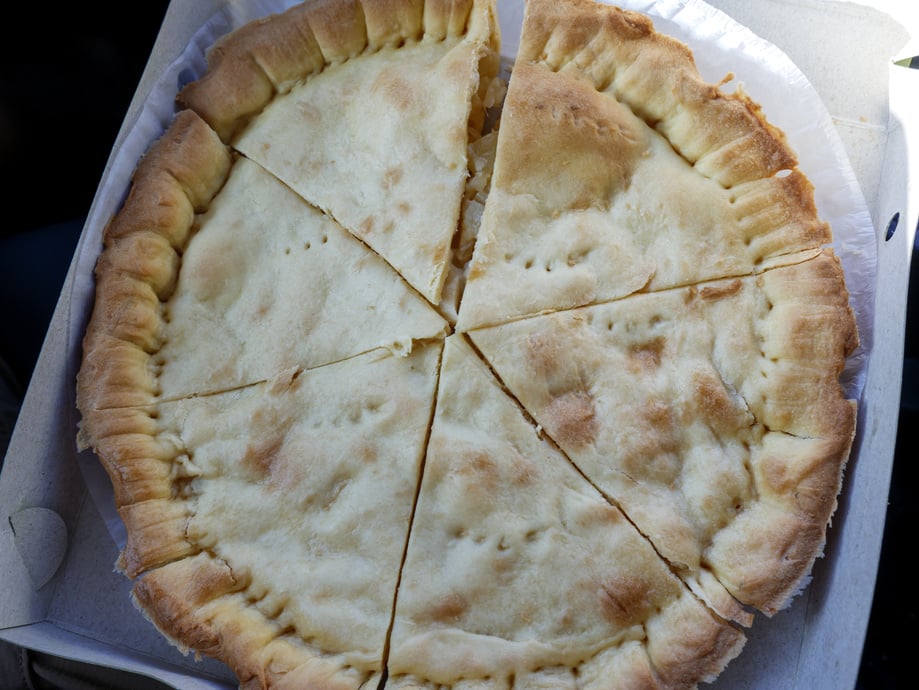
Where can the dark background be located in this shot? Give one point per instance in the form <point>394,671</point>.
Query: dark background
<point>66,81</point>
<point>68,71</point>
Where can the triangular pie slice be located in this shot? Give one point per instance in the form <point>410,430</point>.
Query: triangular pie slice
<point>363,109</point>
<point>267,283</point>
<point>520,574</point>
<point>264,262</point>
<point>619,169</point>
<point>711,414</point>
<point>267,525</point>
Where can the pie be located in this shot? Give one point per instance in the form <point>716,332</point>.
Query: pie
<point>408,375</point>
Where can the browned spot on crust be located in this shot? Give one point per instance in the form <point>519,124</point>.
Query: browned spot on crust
<point>623,600</point>
<point>395,89</point>
<point>720,290</point>
<point>391,177</point>
<point>543,354</point>
<point>646,355</point>
<point>712,292</point>
<point>262,455</point>
<point>477,270</point>
<point>651,443</point>
<point>572,418</point>
<point>449,608</point>
<point>365,227</point>
<point>480,466</point>
<point>440,255</point>
<point>658,415</point>
<point>598,514</point>
<point>717,406</point>
<point>265,454</point>
<point>368,453</point>
<point>524,471</point>
<point>262,306</point>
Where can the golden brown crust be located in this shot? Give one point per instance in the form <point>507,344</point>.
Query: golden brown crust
<point>250,66</point>
<point>116,383</point>
<point>139,265</point>
<point>199,602</point>
<point>247,68</point>
<point>174,594</point>
<point>156,534</point>
<point>724,135</point>
<point>685,650</point>
<point>138,462</point>
<point>810,331</point>
<point>799,481</point>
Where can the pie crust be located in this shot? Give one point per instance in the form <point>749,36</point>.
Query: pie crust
<point>394,396</point>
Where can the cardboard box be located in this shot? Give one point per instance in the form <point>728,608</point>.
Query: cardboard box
<point>60,593</point>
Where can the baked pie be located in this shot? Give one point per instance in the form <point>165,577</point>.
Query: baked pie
<point>404,382</point>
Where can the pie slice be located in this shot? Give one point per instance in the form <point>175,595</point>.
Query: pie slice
<point>619,169</point>
<point>519,573</point>
<point>265,260</point>
<point>272,522</point>
<point>711,414</point>
<point>363,109</point>
<point>267,283</point>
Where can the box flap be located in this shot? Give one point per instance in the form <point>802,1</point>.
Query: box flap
<point>39,479</point>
